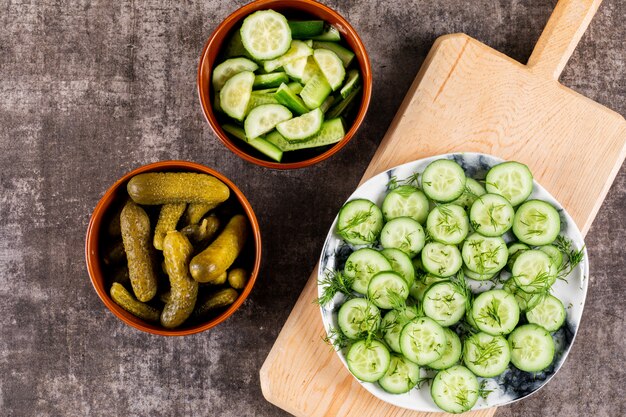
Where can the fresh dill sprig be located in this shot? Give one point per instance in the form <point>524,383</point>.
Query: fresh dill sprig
<point>490,312</point>
<point>573,257</point>
<point>483,392</point>
<point>484,351</point>
<point>335,339</point>
<point>334,282</point>
<point>395,183</point>
<point>359,218</point>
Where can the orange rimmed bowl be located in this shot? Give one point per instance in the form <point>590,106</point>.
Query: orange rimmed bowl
<point>300,9</point>
<point>97,236</point>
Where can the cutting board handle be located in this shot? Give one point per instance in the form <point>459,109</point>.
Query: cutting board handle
<point>566,26</point>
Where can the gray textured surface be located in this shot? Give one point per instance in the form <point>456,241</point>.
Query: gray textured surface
<point>92,89</point>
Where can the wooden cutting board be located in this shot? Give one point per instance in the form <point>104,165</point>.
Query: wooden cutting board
<point>466,97</point>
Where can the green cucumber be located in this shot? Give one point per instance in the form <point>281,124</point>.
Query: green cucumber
<point>235,95</point>
<point>303,127</point>
<point>270,80</point>
<point>344,54</point>
<point>266,35</point>
<point>266,148</point>
<point>332,131</point>
<point>342,107</point>
<point>353,81</point>
<point>305,29</point>
<point>224,71</point>
<point>315,92</point>
<point>297,50</point>
<point>285,96</point>
<point>331,66</point>
<point>329,34</point>
<point>264,118</point>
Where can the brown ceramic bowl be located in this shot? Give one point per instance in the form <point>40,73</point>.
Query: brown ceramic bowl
<point>97,236</point>
<point>299,9</point>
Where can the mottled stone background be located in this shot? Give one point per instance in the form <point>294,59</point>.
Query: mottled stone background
<point>91,89</point>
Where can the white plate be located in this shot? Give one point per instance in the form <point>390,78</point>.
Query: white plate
<point>513,384</point>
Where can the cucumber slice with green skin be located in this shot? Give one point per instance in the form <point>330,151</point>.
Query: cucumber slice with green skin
<point>327,103</point>
<point>393,323</point>
<point>536,223</point>
<point>476,276</point>
<point>351,83</point>
<point>485,355</point>
<point>264,118</point>
<point>302,127</point>
<point>525,301</point>
<point>331,66</point>
<point>358,317</point>
<point>235,95</point>
<point>295,69</point>
<point>332,131</point>
<point>265,91</point>
<point>491,215</point>
<point>315,92</point>
<point>443,180</point>
<point>285,96</point>
<point>511,180</point>
<point>441,259</point>
<point>297,51</point>
<point>484,255</point>
<point>266,35</point>
<point>422,341</point>
<point>368,360</point>
<point>473,190</point>
<point>515,250</point>
<point>296,87</point>
<point>405,234</point>
<point>362,265</point>
<point>386,289</point>
<point>455,389</point>
<point>448,223</point>
<point>549,313</point>
<point>344,105</point>
<point>216,103</point>
<point>495,312</point>
<point>421,285</point>
<point>532,348</point>
<point>402,376</point>
<point>270,80</point>
<point>329,34</point>
<point>234,47</point>
<point>451,353</point>
<point>444,303</point>
<point>258,98</point>
<point>534,271</point>
<point>310,70</point>
<point>555,254</point>
<point>406,201</point>
<point>261,145</point>
<point>224,71</point>
<point>344,54</point>
<point>360,222</point>
<point>304,29</point>
<point>401,264</point>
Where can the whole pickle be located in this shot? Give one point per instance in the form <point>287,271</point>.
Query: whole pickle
<point>237,278</point>
<point>115,254</point>
<point>125,300</point>
<point>198,233</point>
<point>184,290</point>
<point>220,255</point>
<point>168,219</point>
<point>196,211</point>
<point>135,226</point>
<point>176,187</point>
<point>222,298</point>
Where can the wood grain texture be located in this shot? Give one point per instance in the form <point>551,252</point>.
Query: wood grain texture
<point>466,97</point>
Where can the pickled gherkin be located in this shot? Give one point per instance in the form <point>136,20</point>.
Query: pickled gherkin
<point>203,231</point>
<point>176,187</point>
<point>237,278</point>
<point>196,211</point>
<point>168,219</point>
<point>184,290</point>
<point>124,299</point>
<point>135,226</point>
<point>220,255</point>
<point>220,299</point>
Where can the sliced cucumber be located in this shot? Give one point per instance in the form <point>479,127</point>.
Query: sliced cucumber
<point>331,66</point>
<point>332,132</point>
<point>224,71</point>
<point>406,201</point>
<point>358,317</point>
<point>444,303</point>
<point>315,91</point>
<point>270,80</point>
<point>264,118</point>
<point>443,180</point>
<point>303,127</point>
<point>360,222</point>
<point>266,35</point>
<point>351,83</point>
<point>310,70</point>
<point>362,265</point>
<point>422,341</point>
<point>441,259</point>
<point>525,301</point>
<point>401,376</point>
<point>235,94</point>
<point>295,69</point>
<point>305,29</point>
<point>296,87</point>
<point>329,34</point>
<point>511,180</point>
<point>448,223</point>
<point>532,348</point>
<point>549,313</point>
<point>297,51</point>
<point>261,145</point>
<point>422,284</point>
<point>485,355</point>
<point>392,325</point>
<point>258,98</point>
<point>368,360</point>
<point>491,215</point>
<point>327,103</point>
<point>451,353</point>
<point>401,264</point>
<point>534,271</point>
<point>344,54</point>
<point>536,223</point>
<point>285,96</point>
<point>455,389</point>
<point>515,249</point>
<point>405,234</point>
<point>234,47</point>
<point>476,276</point>
<point>473,190</point>
<point>555,254</point>
<point>495,312</point>
<point>386,289</point>
<point>484,255</point>
<point>345,104</point>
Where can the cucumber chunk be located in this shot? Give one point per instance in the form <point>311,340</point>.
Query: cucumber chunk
<point>358,317</point>
<point>362,265</point>
<point>258,98</point>
<point>536,223</point>
<point>495,312</point>
<point>315,92</point>
<point>264,118</point>
<point>305,29</point>
<point>422,341</point>
<point>392,325</point>
<point>331,66</point>
<point>532,348</point>
<point>266,35</point>
<point>271,80</point>
<point>484,255</point>
<point>405,234</point>
<point>441,260</point>
<point>406,201</point>
<point>224,71</point>
<point>491,215</point>
<point>285,96</point>
<point>451,353</point>
<point>332,131</point>
<point>235,95</point>
<point>344,105</point>
<point>443,180</point>
<point>295,69</point>
<point>368,360</point>
<point>511,180</point>
<point>329,34</point>
<point>387,289</point>
<point>303,127</point>
<point>448,223</point>
<point>344,54</point>
<point>360,222</point>
<point>351,84</point>
<point>261,145</point>
<point>402,376</point>
<point>295,86</point>
<point>444,303</point>
<point>549,313</point>
<point>486,355</point>
<point>455,389</point>
<point>297,51</point>
<point>401,264</point>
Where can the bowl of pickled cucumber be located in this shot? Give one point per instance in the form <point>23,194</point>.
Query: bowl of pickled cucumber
<point>453,283</point>
<point>173,248</point>
<point>284,84</point>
